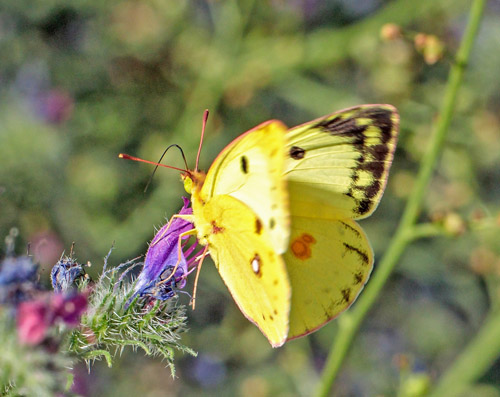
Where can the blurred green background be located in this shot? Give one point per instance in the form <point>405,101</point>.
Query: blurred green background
<point>82,81</point>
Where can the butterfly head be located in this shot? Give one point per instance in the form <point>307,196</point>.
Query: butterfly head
<point>188,183</point>
<point>193,180</point>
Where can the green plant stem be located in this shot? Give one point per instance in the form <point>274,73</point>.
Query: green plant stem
<point>350,322</point>
<point>424,230</point>
<point>477,357</point>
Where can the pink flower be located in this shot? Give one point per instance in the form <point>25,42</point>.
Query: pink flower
<point>32,322</point>
<point>35,317</point>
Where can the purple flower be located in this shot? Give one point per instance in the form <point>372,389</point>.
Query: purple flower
<point>162,257</point>
<point>65,273</point>
<point>17,270</point>
<point>69,308</point>
<point>17,279</point>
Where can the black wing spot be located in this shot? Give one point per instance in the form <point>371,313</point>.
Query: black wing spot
<point>346,294</point>
<point>244,164</point>
<point>258,226</point>
<point>358,278</point>
<point>362,255</point>
<point>297,153</point>
<point>275,312</point>
<point>376,168</point>
<point>344,126</point>
<point>272,223</point>
<point>364,206</point>
<point>372,190</point>
<point>379,152</point>
<point>350,228</point>
<point>381,119</point>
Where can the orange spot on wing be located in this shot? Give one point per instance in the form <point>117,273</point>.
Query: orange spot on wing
<point>216,229</point>
<point>301,246</point>
<point>307,238</point>
<point>299,249</point>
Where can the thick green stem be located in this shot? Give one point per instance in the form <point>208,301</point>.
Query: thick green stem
<point>350,322</point>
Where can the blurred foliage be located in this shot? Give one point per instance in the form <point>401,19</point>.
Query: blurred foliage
<point>38,373</point>
<point>85,80</point>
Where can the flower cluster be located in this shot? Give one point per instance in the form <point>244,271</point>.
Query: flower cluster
<point>90,320</point>
<point>33,325</point>
<point>139,313</point>
<point>35,310</point>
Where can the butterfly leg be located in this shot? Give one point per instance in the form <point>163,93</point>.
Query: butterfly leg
<point>200,262</point>
<point>188,218</point>
<point>179,253</point>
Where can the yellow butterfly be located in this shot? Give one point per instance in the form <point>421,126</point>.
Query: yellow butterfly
<point>336,169</point>
<point>274,196</point>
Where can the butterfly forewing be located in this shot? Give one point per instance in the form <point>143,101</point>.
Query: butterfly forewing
<point>251,170</point>
<point>342,159</point>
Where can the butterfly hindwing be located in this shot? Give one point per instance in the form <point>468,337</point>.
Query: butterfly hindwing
<point>247,262</point>
<point>329,261</point>
<point>251,169</point>
<point>342,159</point>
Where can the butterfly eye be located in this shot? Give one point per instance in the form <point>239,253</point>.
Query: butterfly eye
<point>188,185</point>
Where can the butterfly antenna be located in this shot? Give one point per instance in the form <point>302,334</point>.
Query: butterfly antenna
<point>195,287</point>
<point>205,118</point>
<point>129,157</point>
<point>159,161</point>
